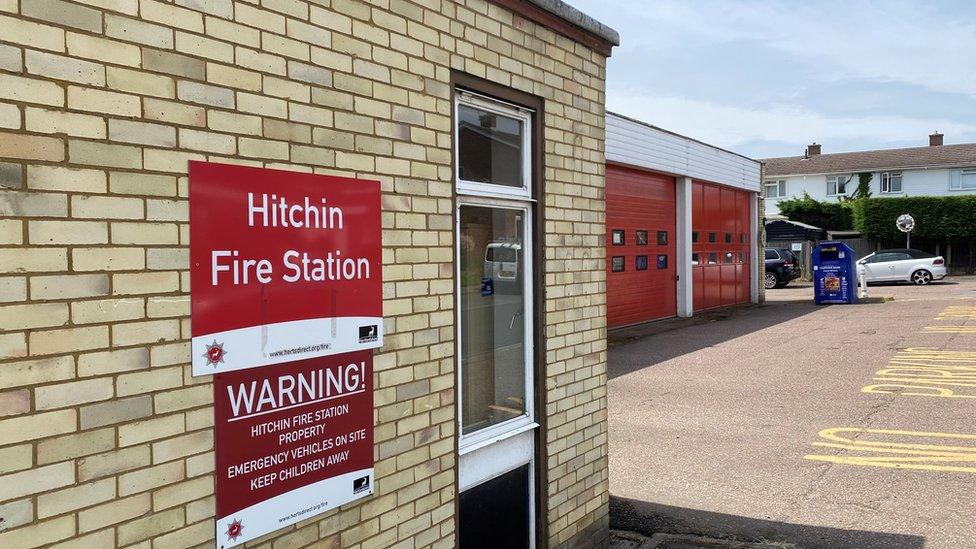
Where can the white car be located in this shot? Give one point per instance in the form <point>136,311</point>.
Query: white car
<point>903,265</point>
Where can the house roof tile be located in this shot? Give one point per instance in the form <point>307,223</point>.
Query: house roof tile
<point>884,159</point>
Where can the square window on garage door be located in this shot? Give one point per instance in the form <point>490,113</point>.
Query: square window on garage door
<point>640,263</point>
<point>662,238</point>
<point>641,238</point>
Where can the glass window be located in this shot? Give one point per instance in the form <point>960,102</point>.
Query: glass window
<point>891,182</point>
<point>490,146</point>
<point>493,383</point>
<point>640,263</point>
<point>662,238</point>
<point>771,254</point>
<point>662,261</point>
<point>742,238</point>
<point>695,259</point>
<point>837,184</point>
<point>713,258</point>
<point>694,236</point>
<point>642,238</point>
<point>728,238</point>
<point>728,257</point>
<point>968,179</point>
<point>776,189</point>
<point>713,237</point>
<point>617,237</point>
<point>617,263</point>
<point>742,257</point>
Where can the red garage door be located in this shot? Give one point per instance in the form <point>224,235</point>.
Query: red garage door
<point>640,246</point>
<point>720,244</point>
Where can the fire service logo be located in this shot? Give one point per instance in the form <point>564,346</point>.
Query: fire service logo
<point>367,334</point>
<point>215,354</point>
<point>234,530</point>
<point>360,484</point>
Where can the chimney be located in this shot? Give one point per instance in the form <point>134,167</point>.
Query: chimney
<point>935,140</point>
<point>813,149</point>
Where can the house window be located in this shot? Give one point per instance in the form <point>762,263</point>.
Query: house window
<point>891,182</point>
<point>617,263</point>
<point>776,189</point>
<point>964,180</point>
<point>713,237</point>
<point>492,146</point>
<point>640,263</point>
<point>642,238</point>
<point>662,238</point>
<point>694,236</point>
<point>695,259</point>
<point>837,185</point>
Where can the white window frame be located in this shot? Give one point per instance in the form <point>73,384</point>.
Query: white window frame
<point>886,182</point>
<point>957,183</point>
<point>524,115</point>
<point>526,422</point>
<point>846,178</point>
<point>780,185</point>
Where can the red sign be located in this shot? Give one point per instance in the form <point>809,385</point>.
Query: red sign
<point>292,441</point>
<point>284,266</point>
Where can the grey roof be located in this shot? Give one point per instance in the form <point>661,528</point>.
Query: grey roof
<point>797,223</point>
<point>884,159</point>
<point>569,13</point>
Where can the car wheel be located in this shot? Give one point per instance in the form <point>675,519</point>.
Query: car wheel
<point>770,281</point>
<point>921,277</point>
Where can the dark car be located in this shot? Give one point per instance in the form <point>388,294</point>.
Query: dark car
<point>782,266</point>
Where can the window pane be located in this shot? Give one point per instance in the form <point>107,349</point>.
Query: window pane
<point>694,236</point>
<point>641,263</point>
<point>617,237</point>
<point>492,319</point>
<point>662,238</point>
<point>695,259</point>
<point>489,147</point>
<point>770,254</point>
<point>617,263</point>
<point>713,237</point>
<point>641,238</point>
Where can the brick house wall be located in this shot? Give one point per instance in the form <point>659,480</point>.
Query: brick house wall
<point>105,439</point>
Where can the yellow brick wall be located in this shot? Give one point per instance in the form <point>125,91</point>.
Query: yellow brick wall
<point>105,439</point>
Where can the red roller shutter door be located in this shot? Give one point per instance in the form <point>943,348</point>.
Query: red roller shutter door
<point>639,201</point>
<point>720,246</point>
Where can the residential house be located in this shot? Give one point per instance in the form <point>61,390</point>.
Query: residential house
<point>935,170</point>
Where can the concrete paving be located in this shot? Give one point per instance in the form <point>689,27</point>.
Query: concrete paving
<point>713,424</point>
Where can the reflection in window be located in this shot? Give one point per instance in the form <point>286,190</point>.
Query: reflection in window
<point>617,237</point>
<point>728,257</point>
<point>489,147</point>
<point>662,261</point>
<point>728,238</point>
<point>492,325</point>
<point>713,237</point>
<point>617,263</point>
<point>642,238</point>
<point>713,258</point>
<point>640,263</point>
<point>662,238</point>
<point>742,257</point>
<point>694,236</point>
<point>695,259</point>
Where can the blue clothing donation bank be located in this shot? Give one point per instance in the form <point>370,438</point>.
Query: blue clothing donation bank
<point>834,273</point>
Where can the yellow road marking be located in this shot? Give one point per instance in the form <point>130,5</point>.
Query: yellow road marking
<point>949,330</point>
<point>908,455</point>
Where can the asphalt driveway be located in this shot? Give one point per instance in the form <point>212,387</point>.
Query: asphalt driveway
<point>832,426</point>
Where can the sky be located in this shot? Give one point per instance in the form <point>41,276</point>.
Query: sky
<point>765,78</point>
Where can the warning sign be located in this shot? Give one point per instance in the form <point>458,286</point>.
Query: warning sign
<point>292,441</point>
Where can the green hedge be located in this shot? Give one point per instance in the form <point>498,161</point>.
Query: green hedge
<point>939,217</point>
<point>835,216</point>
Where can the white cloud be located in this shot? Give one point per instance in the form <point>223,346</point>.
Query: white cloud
<point>730,126</point>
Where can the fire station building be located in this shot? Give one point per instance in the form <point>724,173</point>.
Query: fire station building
<point>483,122</point>
<point>683,225</point>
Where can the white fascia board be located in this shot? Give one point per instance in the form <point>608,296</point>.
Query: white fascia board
<point>639,145</point>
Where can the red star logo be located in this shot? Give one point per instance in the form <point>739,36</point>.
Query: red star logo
<point>215,354</point>
<point>234,530</point>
